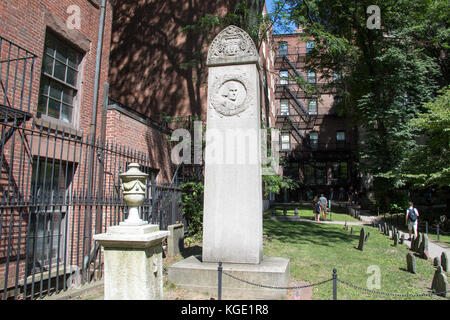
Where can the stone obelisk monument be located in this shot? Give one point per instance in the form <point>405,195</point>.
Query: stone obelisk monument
<point>232,222</point>
<point>232,213</point>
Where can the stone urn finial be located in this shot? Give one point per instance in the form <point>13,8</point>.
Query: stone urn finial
<point>134,186</point>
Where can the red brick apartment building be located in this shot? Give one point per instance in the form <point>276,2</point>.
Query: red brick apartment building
<point>73,116</point>
<point>316,142</point>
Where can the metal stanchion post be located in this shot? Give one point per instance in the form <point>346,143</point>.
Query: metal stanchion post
<point>334,284</point>
<point>219,281</point>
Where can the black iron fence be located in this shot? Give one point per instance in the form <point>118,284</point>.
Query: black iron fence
<point>58,189</point>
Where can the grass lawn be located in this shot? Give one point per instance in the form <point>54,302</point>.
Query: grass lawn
<point>315,249</point>
<point>306,212</point>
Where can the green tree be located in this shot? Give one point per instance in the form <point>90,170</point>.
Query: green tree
<point>428,162</point>
<point>387,74</point>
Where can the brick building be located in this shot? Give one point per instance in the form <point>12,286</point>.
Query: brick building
<point>316,142</point>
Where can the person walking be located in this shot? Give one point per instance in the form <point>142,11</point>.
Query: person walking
<point>412,217</point>
<point>316,209</point>
<point>323,206</point>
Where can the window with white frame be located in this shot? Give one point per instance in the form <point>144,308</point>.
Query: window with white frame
<point>314,140</point>
<point>312,106</point>
<point>284,77</point>
<point>309,46</point>
<point>59,78</point>
<point>285,141</point>
<point>340,139</point>
<point>311,77</point>
<point>282,48</point>
<point>284,107</point>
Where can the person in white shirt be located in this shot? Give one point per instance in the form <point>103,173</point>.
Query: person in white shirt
<point>412,215</point>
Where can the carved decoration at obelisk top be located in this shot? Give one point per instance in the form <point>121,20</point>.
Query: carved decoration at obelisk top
<point>232,45</point>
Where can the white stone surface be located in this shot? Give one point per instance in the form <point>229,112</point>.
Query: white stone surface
<point>133,262</point>
<point>232,223</point>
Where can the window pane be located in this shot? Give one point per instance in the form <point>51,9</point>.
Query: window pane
<point>53,108</point>
<point>42,105</point>
<point>68,96</point>
<point>61,52</point>
<point>74,59</point>
<point>48,64</point>
<point>340,136</point>
<point>55,91</point>
<point>282,48</point>
<point>284,107</point>
<point>66,113</point>
<point>50,45</point>
<point>71,76</point>
<point>60,71</point>
<point>284,75</point>
<point>312,106</point>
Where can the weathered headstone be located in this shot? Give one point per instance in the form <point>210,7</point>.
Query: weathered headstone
<point>296,212</point>
<point>436,261</point>
<point>351,231</point>
<point>367,236</point>
<point>418,242</point>
<point>411,262</point>
<point>444,261</point>
<point>423,249</point>
<point>396,239</point>
<point>345,226</point>
<point>402,239</point>
<point>412,243</point>
<point>440,283</point>
<point>362,236</point>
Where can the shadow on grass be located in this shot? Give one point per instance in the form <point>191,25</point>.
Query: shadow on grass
<point>306,233</point>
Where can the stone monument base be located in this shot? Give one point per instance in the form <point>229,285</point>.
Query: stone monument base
<point>193,274</point>
<point>133,262</point>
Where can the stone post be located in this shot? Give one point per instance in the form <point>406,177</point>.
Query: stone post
<point>133,249</point>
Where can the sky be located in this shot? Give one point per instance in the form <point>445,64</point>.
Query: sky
<point>277,28</point>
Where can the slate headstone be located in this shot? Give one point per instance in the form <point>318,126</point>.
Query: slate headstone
<point>402,239</point>
<point>412,243</point>
<point>395,239</point>
<point>367,236</point>
<point>411,262</point>
<point>362,236</point>
<point>418,242</point>
<point>436,262</point>
<point>440,283</point>
<point>423,249</point>
<point>444,261</point>
<point>351,231</point>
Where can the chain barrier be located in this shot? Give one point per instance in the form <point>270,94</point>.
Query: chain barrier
<point>338,280</point>
<point>392,294</point>
<point>273,287</point>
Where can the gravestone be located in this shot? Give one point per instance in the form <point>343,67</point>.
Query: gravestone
<point>444,261</point>
<point>423,249</point>
<point>412,242</point>
<point>351,231</point>
<point>362,236</point>
<point>440,283</point>
<point>284,211</point>
<point>232,219</point>
<point>296,212</point>
<point>411,262</point>
<point>402,239</point>
<point>436,262</point>
<point>345,226</point>
<point>367,236</point>
<point>396,239</point>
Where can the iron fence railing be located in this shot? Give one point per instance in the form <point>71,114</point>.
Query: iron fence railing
<point>49,210</point>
